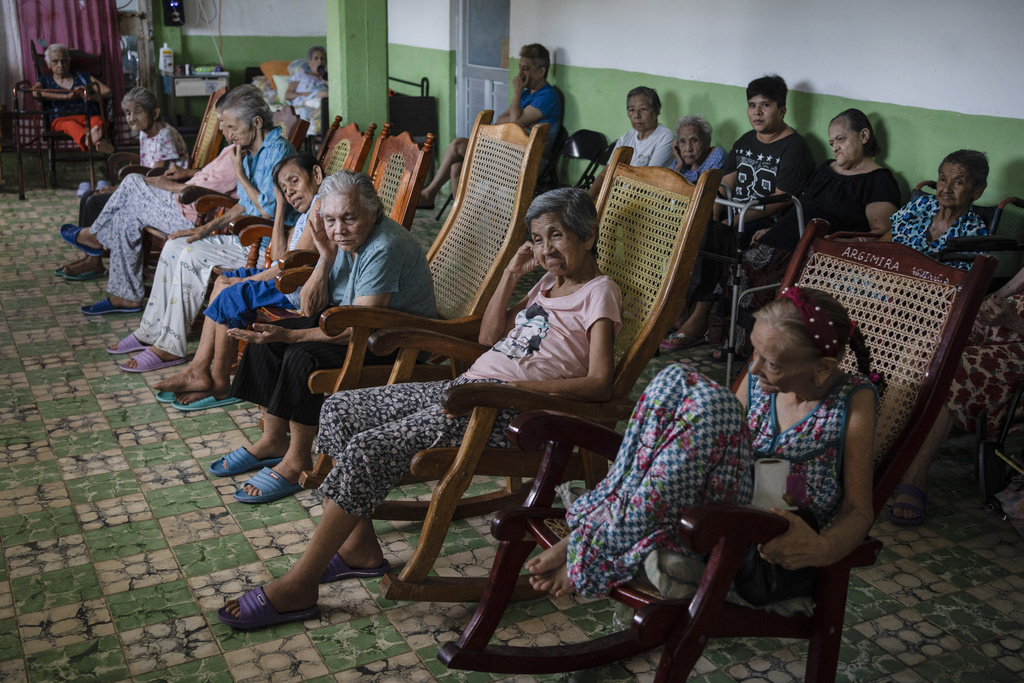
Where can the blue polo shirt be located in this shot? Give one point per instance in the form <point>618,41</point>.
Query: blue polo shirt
<point>259,168</point>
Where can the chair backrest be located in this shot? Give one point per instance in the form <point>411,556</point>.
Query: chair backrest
<point>397,168</point>
<point>345,148</point>
<point>989,214</point>
<point>485,225</point>
<point>80,61</point>
<point>915,314</point>
<point>584,144</point>
<point>208,139</point>
<point>294,127</point>
<point>651,225</point>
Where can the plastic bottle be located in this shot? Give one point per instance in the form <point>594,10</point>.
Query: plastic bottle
<point>166,59</point>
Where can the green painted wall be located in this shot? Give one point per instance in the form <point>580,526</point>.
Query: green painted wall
<point>412,64</point>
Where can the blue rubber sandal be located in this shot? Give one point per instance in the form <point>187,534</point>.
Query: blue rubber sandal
<point>205,403</point>
<point>69,233</point>
<point>165,397</point>
<point>240,461</point>
<point>272,487</point>
<point>104,307</point>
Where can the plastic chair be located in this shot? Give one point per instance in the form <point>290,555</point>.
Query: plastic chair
<point>651,224</point>
<point>583,144</point>
<point>915,314</point>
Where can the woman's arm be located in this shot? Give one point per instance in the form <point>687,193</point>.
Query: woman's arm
<point>879,215</point>
<point>279,231</point>
<point>497,319</point>
<point>201,231</point>
<point>1014,286</point>
<point>597,385</point>
<point>801,546</point>
<point>103,90</point>
<point>264,334</point>
<point>251,190</point>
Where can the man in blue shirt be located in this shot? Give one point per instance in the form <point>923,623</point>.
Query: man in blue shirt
<point>534,100</point>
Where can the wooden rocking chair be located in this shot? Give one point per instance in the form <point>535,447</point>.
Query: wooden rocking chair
<point>915,314</point>
<point>651,225</point>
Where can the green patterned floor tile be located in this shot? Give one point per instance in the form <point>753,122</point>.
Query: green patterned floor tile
<point>358,642</point>
<point>22,432</point>
<point>460,538</point>
<point>121,381</point>
<point>151,605</point>
<point>594,618</point>
<point>38,378</point>
<point>279,566</point>
<point>125,539</point>
<point>865,602</point>
<point>22,283</point>
<point>524,610</point>
<point>98,354</point>
<point>10,641</point>
<point>38,526</point>
<point>65,407</point>
<point>428,655</point>
<point>268,514</point>
<point>964,666</point>
<point>209,670</point>
<point>410,491</point>
<point>724,652</point>
<point>102,487</point>
<point>11,365</point>
<point>965,617</point>
<point>25,323</point>
<point>234,639</point>
<point>252,433</point>
<point>18,303</point>
<point>84,443</point>
<point>33,473</point>
<point>863,660</point>
<point>145,414</point>
<point>214,554</point>
<point>19,396</point>
<point>951,523</point>
<point>151,454</point>
<point>960,566</point>
<point>203,423</point>
<point>178,499</point>
<point>98,661</point>
<point>56,588</point>
<point>44,348</point>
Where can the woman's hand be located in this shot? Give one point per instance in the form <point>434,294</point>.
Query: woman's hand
<point>192,234</point>
<point>799,547</point>
<point>758,235</point>
<point>236,162</point>
<point>680,164</point>
<point>79,92</point>
<point>261,334</point>
<point>523,261</point>
<point>996,312</point>
<point>324,244</point>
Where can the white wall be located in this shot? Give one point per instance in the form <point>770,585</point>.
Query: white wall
<point>953,55</point>
<point>421,23</point>
<point>254,18</point>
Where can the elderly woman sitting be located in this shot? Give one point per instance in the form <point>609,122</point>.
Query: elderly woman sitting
<point>307,86</point>
<point>75,99</point>
<point>190,255</point>
<point>692,149</point>
<point>690,442</point>
<point>558,339</point>
<point>366,259</point>
<point>652,142</point>
<point>928,222</point>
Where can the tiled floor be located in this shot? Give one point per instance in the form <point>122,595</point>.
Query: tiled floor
<point>118,548</point>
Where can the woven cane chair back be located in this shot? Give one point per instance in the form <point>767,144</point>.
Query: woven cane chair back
<point>208,140</point>
<point>647,230</point>
<point>345,148</point>
<point>398,167</point>
<point>498,177</point>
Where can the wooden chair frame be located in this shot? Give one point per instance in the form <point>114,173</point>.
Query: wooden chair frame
<point>631,203</point>
<point>723,532</point>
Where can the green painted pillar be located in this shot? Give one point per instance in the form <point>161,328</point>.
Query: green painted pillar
<point>357,60</point>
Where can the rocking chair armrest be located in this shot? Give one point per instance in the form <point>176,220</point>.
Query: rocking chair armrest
<point>385,341</point>
<point>461,399</point>
<point>467,329</point>
<point>209,202</point>
<point>156,172</point>
<point>531,430</point>
<point>701,527</point>
<point>292,278</point>
<point>251,234</point>
<point>510,524</point>
<point>299,257</point>
<point>242,222</point>
<point>126,171</point>
<point>853,235</point>
<point>192,193</point>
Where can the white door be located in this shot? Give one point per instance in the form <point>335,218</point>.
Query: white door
<point>482,74</point>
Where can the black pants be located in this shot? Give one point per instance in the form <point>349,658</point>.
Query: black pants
<point>90,207</point>
<point>275,375</point>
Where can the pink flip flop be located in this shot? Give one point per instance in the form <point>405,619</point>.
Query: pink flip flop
<point>147,360</point>
<point>129,344</point>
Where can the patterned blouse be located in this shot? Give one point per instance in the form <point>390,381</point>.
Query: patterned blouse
<point>910,227</point>
<point>166,145</point>
<point>813,446</point>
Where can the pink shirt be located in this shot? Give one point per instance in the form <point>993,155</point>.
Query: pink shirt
<point>551,337</point>
<point>218,175</point>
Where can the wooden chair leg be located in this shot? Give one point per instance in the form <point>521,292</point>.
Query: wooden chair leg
<point>823,648</point>
<point>313,479</point>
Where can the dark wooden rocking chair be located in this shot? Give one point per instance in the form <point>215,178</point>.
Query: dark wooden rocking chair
<point>915,314</point>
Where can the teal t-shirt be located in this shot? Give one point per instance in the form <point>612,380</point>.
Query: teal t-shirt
<point>389,261</point>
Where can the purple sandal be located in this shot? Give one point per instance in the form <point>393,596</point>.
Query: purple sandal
<point>257,612</point>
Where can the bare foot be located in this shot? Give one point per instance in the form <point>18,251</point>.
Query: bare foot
<point>282,468</point>
<point>284,595</point>
<point>83,265</point>
<point>103,144</point>
<point>188,380</point>
<point>919,509</point>
<point>87,239</point>
<point>162,355</point>
<point>549,572</point>
<point>265,449</point>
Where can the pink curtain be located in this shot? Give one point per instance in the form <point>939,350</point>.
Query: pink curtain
<point>89,25</point>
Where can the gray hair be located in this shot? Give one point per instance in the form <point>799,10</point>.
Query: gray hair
<point>316,48</point>
<point>142,97</point>
<point>343,182</point>
<point>573,208</point>
<point>700,124</point>
<point>973,161</point>
<point>55,47</point>
<point>246,102</point>
<point>649,94</point>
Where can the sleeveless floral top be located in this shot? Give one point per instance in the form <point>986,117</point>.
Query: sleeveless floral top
<point>813,446</point>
